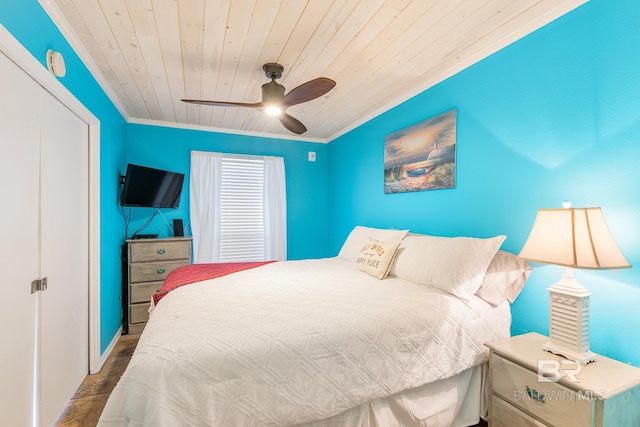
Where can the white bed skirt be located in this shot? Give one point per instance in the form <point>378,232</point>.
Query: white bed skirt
<point>458,401</point>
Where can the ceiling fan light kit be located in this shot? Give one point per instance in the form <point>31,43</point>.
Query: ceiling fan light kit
<point>275,102</point>
<point>273,110</point>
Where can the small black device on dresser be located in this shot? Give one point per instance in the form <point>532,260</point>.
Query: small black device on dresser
<point>178,229</point>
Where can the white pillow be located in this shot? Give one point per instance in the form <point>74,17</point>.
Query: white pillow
<point>504,279</point>
<point>351,248</point>
<point>375,257</point>
<point>456,265</point>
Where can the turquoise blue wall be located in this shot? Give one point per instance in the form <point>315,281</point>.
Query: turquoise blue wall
<point>28,23</point>
<point>307,215</point>
<point>553,117</point>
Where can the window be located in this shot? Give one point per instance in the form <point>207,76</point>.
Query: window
<point>238,207</point>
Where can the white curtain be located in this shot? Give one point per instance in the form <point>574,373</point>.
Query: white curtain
<point>204,190</point>
<point>275,209</point>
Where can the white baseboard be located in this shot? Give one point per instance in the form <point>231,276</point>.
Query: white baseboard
<point>107,352</point>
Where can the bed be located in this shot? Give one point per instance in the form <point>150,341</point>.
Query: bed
<point>360,339</point>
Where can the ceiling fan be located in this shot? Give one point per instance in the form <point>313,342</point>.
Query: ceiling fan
<point>275,102</point>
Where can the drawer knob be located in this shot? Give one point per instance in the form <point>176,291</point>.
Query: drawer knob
<point>160,251</point>
<point>534,394</point>
<point>160,270</point>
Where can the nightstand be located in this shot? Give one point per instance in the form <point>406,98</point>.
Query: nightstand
<point>533,388</point>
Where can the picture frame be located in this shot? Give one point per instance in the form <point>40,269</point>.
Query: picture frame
<point>422,156</point>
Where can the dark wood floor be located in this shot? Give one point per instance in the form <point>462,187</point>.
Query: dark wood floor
<point>87,403</point>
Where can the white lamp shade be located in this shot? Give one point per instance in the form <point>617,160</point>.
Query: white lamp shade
<point>577,238</point>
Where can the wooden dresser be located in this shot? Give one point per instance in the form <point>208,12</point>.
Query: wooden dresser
<point>533,388</point>
<point>148,263</point>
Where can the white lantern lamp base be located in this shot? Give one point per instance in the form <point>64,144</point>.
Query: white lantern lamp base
<point>569,320</point>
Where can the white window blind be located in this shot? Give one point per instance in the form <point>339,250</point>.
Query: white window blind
<point>241,209</point>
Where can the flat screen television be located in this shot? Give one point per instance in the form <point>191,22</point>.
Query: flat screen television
<point>151,188</point>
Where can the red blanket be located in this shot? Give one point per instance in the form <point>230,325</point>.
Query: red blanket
<point>196,272</point>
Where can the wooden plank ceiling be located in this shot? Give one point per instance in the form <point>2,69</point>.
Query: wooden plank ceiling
<point>148,54</point>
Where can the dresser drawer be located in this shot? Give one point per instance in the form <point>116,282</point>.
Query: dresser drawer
<point>154,271</point>
<point>139,313</point>
<point>141,292</point>
<point>161,250</point>
<point>505,415</point>
<point>558,405</point>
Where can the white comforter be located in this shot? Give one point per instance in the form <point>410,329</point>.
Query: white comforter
<point>290,342</point>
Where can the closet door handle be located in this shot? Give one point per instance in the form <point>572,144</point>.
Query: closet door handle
<point>160,270</point>
<point>160,251</point>
<point>39,285</point>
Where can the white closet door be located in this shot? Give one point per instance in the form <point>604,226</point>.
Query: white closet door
<point>64,311</point>
<point>19,240</point>
<point>44,218</point>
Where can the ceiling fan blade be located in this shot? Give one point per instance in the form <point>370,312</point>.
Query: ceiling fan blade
<point>291,123</point>
<point>308,91</point>
<point>223,103</point>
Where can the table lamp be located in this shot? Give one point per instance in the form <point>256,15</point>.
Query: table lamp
<point>574,238</point>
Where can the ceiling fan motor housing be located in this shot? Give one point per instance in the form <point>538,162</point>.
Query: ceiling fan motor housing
<point>272,92</point>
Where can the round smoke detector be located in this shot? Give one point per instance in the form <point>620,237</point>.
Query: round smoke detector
<point>55,63</point>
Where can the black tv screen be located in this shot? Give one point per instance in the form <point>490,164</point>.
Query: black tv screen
<point>151,188</point>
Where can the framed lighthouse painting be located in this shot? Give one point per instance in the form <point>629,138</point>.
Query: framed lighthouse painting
<point>422,156</point>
